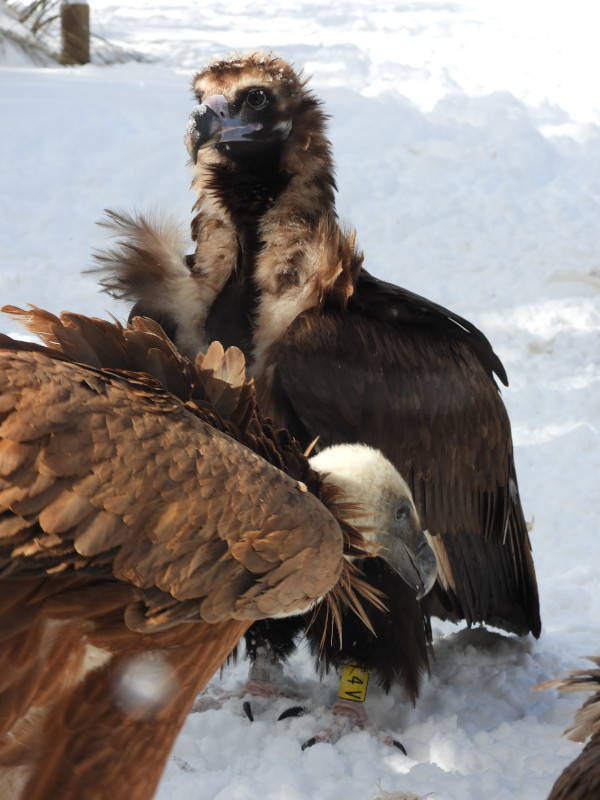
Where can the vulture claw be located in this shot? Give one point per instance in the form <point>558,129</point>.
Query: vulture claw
<point>294,711</point>
<point>391,742</point>
<point>248,710</point>
<point>327,736</point>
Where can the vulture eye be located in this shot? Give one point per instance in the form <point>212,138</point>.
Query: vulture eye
<point>256,99</point>
<point>402,512</point>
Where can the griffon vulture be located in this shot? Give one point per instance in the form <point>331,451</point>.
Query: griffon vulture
<point>337,355</point>
<point>148,515</point>
<point>581,779</point>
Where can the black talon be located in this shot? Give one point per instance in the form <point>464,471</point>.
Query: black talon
<point>295,711</point>
<point>400,746</point>
<point>248,710</point>
<point>310,742</point>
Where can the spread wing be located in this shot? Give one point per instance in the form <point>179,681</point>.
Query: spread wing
<point>404,375</point>
<point>113,476</point>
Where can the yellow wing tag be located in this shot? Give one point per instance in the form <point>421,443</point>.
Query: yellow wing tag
<point>353,683</point>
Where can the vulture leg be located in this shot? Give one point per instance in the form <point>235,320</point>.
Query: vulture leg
<point>268,645</point>
<point>265,674</point>
<point>264,677</point>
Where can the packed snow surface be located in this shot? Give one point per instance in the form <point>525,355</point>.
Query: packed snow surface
<point>467,145</point>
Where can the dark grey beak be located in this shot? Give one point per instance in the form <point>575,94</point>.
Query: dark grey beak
<point>210,123</point>
<point>416,564</point>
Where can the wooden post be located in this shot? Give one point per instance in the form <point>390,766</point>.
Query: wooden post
<point>75,25</point>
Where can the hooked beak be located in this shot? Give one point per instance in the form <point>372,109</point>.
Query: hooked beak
<point>210,123</point>
<point>416,564</point>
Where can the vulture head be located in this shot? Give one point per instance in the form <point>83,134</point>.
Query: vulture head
<point>253,110</point>
<point>388,517</point>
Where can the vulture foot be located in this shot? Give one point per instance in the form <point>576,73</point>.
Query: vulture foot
<point>353,711</point>
<point>351,715</point>
<point>262,692</point>
<point>258,688</point>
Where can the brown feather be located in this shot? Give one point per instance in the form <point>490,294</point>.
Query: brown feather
<point>581,779</point>
<point>124,516</point>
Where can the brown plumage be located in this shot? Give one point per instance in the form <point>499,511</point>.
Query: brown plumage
<point>336,353</point>
<point>148,514</point>
<point>581,779</point>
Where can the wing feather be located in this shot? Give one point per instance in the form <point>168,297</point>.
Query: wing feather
<point>409,378</point>
<point>101,471</point>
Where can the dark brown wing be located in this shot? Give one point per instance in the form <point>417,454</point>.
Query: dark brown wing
<point>110,476</point>
<point>404,375</point>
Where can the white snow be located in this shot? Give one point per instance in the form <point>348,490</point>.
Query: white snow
<point>467,143</point>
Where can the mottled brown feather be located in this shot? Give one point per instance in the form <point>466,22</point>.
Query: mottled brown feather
<point>124,516</point>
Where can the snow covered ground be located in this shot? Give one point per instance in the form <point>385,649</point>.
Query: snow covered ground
<point>467,143</point>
